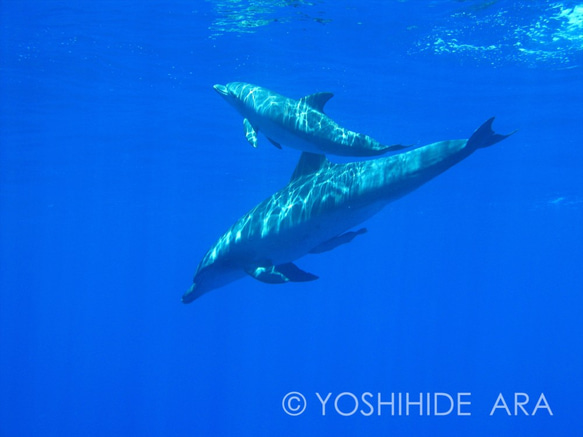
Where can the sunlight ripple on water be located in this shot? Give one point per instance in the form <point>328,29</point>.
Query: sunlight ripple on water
<point>246,16</point>
<point>530,33</point>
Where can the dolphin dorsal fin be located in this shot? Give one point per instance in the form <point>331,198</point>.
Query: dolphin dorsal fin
<point>309,163</point>
<point>317,100</point>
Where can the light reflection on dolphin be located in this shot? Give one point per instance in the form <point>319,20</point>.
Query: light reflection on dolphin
<point>314,211</point>
<point>300,124</point>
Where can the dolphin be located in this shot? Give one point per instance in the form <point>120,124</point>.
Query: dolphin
<point>315,211</point>
<point>300,124</point>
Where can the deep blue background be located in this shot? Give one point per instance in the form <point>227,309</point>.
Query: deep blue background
<point>120,166</point>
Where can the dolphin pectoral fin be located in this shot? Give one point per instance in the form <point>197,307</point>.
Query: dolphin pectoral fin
<point>280,274</point>
<point>333,243</point>
<point>317,100</point>
<point>250,133</point>
<point>275,143</point>
<point>294,273</point>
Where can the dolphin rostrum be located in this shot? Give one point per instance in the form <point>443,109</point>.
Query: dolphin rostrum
<point>314,212</point>
<point>300,124</point>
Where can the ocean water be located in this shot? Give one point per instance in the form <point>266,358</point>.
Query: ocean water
<point>120,166</point>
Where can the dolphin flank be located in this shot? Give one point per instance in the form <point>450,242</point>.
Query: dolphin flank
<point>300,124</point>
<point>315,211</point>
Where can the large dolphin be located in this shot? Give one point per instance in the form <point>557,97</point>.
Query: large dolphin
<point>315,210</point>
<point>300,124</point>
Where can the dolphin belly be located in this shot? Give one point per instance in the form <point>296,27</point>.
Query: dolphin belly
<point>291,244</point>
<point>283,134</point>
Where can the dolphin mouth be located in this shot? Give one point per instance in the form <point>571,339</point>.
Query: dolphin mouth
<point>221,89</point>
<point>190,295</point>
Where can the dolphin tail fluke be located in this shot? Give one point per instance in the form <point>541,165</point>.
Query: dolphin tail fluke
<point>485,136</point>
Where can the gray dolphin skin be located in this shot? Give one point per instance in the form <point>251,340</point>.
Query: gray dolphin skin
<point>300,124</point>
<point>314,212</point>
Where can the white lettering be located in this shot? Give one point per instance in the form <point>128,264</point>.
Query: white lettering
<point>460,403</point>
<point>369,405</point>
<point>520,404</point>
<point>406,404</point>
<point>339,397</point>
<point>400,404</point>
<point>323,402</point>
<point>428,404</point>
<point>436,411</point>
<point>546,405</point>
<point>380,403</point>
<point>420,403</point>
<point>503,405</point>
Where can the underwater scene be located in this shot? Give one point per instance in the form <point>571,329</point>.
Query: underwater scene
<point>291,218</point>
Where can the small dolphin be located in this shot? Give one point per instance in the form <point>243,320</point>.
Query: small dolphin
<point>300,124</point>
<point>315,210</point>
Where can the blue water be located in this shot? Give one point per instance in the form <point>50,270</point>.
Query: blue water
<point>120,166</point>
